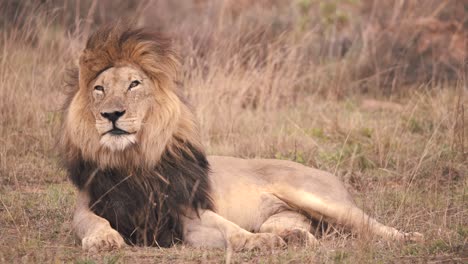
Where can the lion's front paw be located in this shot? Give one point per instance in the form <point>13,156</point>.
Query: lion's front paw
<point>104,239</point>
<point>259,241</point>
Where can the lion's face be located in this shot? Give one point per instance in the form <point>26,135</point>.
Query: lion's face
<point>120,98</point>
<point>123,109</point>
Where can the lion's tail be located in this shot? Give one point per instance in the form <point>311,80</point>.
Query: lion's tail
<point>343,213</point>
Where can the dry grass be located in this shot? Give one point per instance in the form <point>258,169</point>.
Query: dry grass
<point>269,80</point>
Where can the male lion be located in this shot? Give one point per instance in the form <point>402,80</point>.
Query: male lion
<point>132,148</point>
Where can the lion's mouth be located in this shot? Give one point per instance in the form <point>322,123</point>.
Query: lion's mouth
<point>117,132</point>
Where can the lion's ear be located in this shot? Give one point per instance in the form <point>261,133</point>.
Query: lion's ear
<point>171,65</point>
<point>153,53</point>
<point>91,63</point>
<point>165,71</point>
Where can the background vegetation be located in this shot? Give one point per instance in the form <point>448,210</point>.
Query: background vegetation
<point>371,90</point>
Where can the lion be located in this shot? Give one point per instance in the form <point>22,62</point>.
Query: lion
<point>132,148</point>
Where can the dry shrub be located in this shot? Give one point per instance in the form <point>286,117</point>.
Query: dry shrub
<point>415,42</point>
<point>342,46</point>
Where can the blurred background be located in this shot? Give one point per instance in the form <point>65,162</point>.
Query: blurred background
<point>371,90</point>
<point>363,45</point>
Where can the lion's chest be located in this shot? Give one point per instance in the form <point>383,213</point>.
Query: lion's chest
<point>137,206</point>
<point>144,204</point>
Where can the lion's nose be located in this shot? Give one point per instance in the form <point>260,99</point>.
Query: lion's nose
<point>113,116</point>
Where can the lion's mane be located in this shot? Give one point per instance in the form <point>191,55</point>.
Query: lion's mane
<point>144,189</point>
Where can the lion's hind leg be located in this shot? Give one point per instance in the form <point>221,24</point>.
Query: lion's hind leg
<point>291,226</point>
<point>342,211</point>
<point>360,221</point>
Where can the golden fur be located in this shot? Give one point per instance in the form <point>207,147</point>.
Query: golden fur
<point>150,182</point>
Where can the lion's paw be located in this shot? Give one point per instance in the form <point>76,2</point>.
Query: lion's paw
<point>299,237</point>
<point>105,239</point>
<point>258,241</point>
<point>413,237</point>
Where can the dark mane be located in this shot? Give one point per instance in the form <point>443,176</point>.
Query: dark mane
<point>145,205</point>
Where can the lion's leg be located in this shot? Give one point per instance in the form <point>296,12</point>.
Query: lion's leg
<point>341,211</point>
<point>292,226</point>
<point>360,221</point>
<point>212,230</point>
<point>95,232</point>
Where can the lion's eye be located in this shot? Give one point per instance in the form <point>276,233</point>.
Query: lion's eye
<point>99,88</point>
<point>134,84</point>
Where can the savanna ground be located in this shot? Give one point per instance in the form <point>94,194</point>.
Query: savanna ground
<point>374,91</point>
